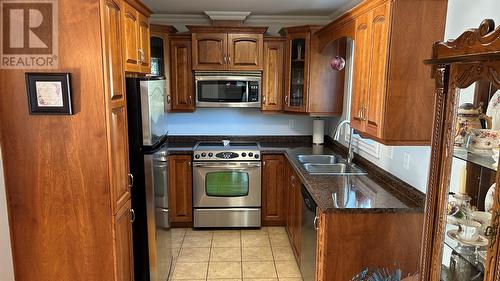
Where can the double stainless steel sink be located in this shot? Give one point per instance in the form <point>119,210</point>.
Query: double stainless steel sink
<point>328,165</point>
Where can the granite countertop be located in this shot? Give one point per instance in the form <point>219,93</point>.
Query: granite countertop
<point>354,194</point>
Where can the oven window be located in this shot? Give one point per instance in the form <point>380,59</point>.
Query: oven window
<point>222,91</point>
<point>226,184</point>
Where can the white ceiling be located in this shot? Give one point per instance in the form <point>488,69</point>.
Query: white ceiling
<point>257,7</point>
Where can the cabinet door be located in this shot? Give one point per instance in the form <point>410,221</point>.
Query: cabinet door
<point>245,51</point>
<point>273,174</point>
<point>181,75</point>
<point>116,105</point>
<point>296,79</point>
<point>209,51</point>
<point>131,38</point>
<point>180,188</point>
<point>124,257</point>
<point>361,77</point>
<point>378,69</point>
<point>144,44</point>
<point>272,76</point>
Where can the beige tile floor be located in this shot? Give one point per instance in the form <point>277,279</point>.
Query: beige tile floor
<point>226,255</point>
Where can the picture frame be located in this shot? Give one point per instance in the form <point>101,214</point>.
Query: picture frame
<point>49,93</point>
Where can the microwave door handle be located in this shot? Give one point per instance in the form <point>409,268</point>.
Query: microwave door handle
<point>245,99</point>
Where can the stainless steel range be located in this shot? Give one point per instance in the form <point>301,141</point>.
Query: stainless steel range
<point>227,184</point>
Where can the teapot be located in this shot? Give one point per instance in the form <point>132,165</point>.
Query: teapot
<point>468,118</point>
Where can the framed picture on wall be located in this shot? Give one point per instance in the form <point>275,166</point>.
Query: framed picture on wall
<point>49,93</point>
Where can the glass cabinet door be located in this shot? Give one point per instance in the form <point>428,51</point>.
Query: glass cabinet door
<point>296,97</point>
<point>476,134</point>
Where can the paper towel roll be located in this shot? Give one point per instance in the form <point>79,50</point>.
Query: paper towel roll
<point>318,131</point>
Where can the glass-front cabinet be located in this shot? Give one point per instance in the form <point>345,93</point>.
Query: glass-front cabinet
<point>462,209</point>
<point>296,90</point>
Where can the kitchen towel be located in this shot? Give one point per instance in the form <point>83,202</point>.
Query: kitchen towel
<point>318,131</point>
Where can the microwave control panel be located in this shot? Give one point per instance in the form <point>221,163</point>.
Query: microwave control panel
<point>253,91</point>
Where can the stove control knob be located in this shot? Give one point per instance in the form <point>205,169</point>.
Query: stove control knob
<point>197,156</point>
<point>210,154</point>
<point>203,154</point>
<point>243,154</point>
<point>256,156</point>
<point>250,154</point>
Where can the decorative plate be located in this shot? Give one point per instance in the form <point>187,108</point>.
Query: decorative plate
<point>479,242</point>
<point>488,201</point>
<point>493,110</point>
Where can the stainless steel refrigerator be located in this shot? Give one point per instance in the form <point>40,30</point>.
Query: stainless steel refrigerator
<point>147,122</point>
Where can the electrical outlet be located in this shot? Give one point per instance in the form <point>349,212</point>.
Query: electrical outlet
<point>406,161</point>
<point>291,124</point>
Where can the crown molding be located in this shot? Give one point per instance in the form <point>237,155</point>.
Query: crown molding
<point>227,15</point>
<point>275,22</point>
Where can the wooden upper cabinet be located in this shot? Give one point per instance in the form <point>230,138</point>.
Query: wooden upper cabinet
<point>144,44</point>
<point>273,186</point>
<point>391,87</point>
<point>180,188</point>
<point>311,86</point>
<point>209,51</point>
<point>360,83</point>
<point>124,253</point>
<point>181,74</point>
<point>380,24</point>
<point>272,74</point>
<point>131,37</point>
<point>245,51</point>
<point>137,56</point>
<point>227,47</point>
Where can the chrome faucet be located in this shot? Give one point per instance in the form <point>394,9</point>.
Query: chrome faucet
<point>350,154</point>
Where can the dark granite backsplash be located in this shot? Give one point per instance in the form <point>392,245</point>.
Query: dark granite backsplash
<point>278,141</point>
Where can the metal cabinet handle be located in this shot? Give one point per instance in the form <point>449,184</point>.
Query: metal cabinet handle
<point>169,99</point>
<point>364,113</point>
<point>286,100</point>
<point>132,215</point>
<point>141,55</point>
<point>264,99</point>
<point>229,58</point>
<point>315,223</point>
<point>130,180</point>
<point>189,164</point>
<point>225,59</point>
<point>359,112</point>
<point>190,99</point>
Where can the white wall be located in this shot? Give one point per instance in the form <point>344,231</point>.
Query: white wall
<point>6,267</point>
<point>461,15</point>
<point>230,121</point>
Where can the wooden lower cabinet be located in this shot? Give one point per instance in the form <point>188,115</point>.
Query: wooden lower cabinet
<point>293,210</point>
<point>273,190</point>
<point>123,244</point>
<point>349,242</point>
<point>180,183</point>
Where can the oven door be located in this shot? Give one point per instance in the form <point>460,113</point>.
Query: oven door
<point>226,184</point>
<point>227,91</point>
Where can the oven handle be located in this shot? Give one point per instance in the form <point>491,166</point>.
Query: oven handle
<point>228,165</point>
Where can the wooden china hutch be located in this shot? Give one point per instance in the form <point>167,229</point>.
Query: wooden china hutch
<point>462,208</point>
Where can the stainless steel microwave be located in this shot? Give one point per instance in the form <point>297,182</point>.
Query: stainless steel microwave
<point>228,89</point>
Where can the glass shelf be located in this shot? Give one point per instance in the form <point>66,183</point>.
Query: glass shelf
<point>464,252</point>
<point>485,161</point>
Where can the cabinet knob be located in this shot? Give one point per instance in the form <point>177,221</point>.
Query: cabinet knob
<point>315,223</point>
<point>189,164</point>
<point>132,215</point>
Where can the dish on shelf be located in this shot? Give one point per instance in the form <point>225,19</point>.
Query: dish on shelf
<point>480,241</point>
<point>483,140</point>
<point>493,111</point>
<point>488,201</point>
<point>484,218</point>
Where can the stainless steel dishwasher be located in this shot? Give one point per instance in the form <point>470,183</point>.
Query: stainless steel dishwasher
<point>308,240</point>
